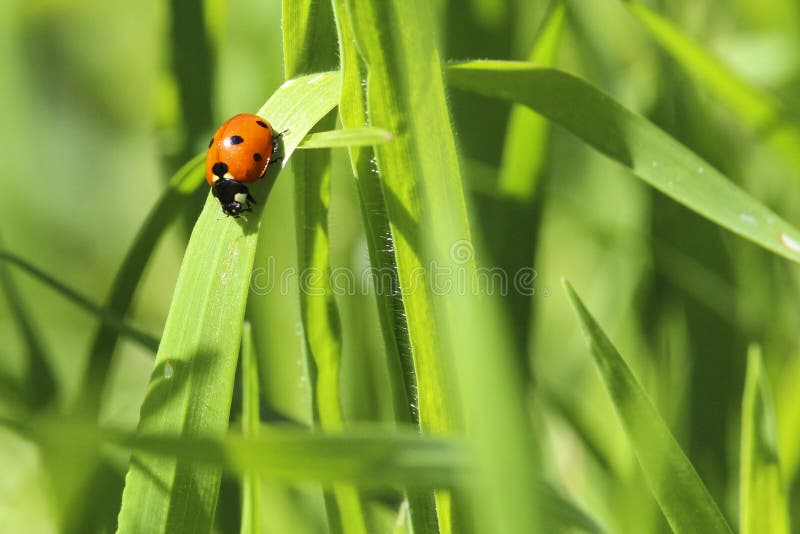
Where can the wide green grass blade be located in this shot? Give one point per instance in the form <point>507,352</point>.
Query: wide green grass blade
<point>192,383</point>
<point>762,112</point>
<point>172,202</point>
<point>525,147</point>
<point>679,491</point>
<point>346,137</point>
<point>630,139</point>
<point>309,46</point>
<point>764,506</point>
<point>251,421</point>
<point>451,332</point>
<point>107,316</point>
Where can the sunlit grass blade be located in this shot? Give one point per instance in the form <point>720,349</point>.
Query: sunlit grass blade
<point>172,202</point>
<point>525,146</point>
<point>630,139</point>
<point>251,421</point>
<point>113,321</point>
<point>394,329</point>
<point>419,506</point>
<point>192,383</point>
<point>763,499</point>
<point>679,491</point>
<point>763,113</point>
<point>450,332</point>
<point>309,45</point>
<point>787,400</point>
<point>346,137</point>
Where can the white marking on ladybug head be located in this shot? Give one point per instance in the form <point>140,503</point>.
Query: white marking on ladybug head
<point>241,198</point>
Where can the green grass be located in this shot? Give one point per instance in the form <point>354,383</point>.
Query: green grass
<point>381,345</point>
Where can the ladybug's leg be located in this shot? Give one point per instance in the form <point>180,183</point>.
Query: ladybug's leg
<point>275,140</point>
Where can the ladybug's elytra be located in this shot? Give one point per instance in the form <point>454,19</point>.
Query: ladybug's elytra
<point>239,154</point>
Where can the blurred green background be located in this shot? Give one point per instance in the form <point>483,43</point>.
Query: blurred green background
<point>101,102</point>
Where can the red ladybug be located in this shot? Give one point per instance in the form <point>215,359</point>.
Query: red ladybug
<point>239,154</point>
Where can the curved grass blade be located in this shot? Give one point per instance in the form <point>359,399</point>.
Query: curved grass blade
<point>633,141</point>
<point>756,108</point>
<point>113,321</point>
<point>764,506</point>
<point>682,496</point>
<point>251,421</point>
<point>346,137</point>
<point>192,383</point>
<point>170,205</point>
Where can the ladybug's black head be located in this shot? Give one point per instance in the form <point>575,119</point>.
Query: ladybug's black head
<point>234,197</point>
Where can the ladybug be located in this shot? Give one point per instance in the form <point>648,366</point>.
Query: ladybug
<point>239,154</point>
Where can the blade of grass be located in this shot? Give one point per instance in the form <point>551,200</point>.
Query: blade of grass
<point>107,317</point>
<point>192,383</point>
<point>633,141</point>
<point>371,455</point>
<point>760,111</point>
<point>525,146</point>
<point>450,332</point>
<point>346,137</point>
<point>787,401</point>
<point>567,513</point>
<point>251,421</point>
<point>763,506</point>
<point>310,45</point>
<point>420,507</point>
<point>682,496</point>
<point>172,202</point>
<point>39,387</point>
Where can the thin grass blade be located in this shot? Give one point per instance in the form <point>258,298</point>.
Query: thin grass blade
<point>450,331</point>
<point>525,146</point>
<point>172,202</point>
<point>679,491</point>
<point>251,422</point>
<point>347,137</point>
<point>113,321</point>
<point>764,505</point>
<point>419,507</point>
<point>310,45</point>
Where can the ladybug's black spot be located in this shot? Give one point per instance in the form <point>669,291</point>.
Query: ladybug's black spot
<point>235,140</point>
<point>257,156</point>
<point>262,124</point>
<point>211,142</point>
<point>219,169</point>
